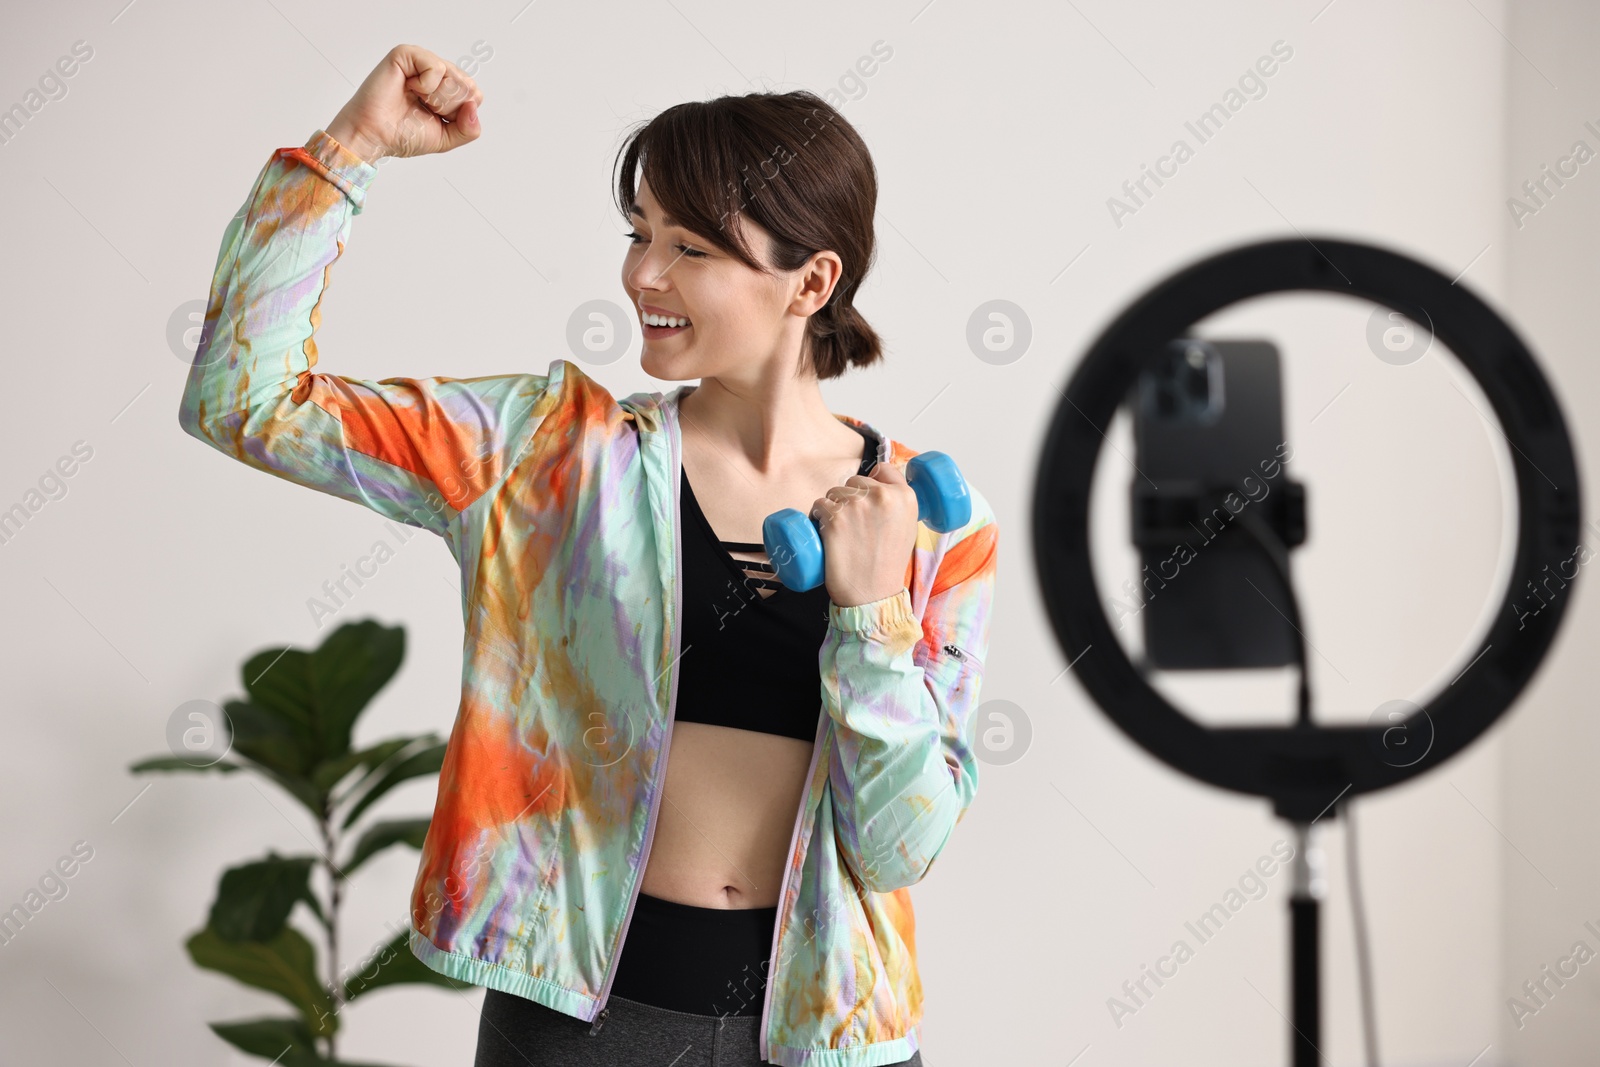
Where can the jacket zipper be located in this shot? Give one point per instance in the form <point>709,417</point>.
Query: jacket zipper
<point>666,744</point>
<point>788,865</point>
<point>964,656</point>
<point>794,839</point>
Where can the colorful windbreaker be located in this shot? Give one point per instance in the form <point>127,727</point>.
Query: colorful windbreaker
<point>560,503</point>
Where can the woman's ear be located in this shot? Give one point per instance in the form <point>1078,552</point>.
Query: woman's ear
<point>820,280</point>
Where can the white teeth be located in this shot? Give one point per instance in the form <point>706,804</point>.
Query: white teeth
<point>663,320</point>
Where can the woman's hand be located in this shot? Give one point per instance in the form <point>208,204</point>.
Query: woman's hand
<point>412,104</point>
<point>869,530</point>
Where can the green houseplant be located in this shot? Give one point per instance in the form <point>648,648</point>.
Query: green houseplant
<point>294,728</point>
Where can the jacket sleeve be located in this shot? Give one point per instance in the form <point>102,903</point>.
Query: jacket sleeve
<point>415,450</point>
<point>902,694</point>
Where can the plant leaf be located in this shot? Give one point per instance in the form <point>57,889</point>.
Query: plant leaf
<point>347,670</point>
<point>316,696</point>
<point>299,788</point>
<point>395,964</point>
<point>314,904</point>
<point>286,1042</point>
<point>279,682</point>
<point>178,763</point>
<point>330,773</point>
<point>254,899</point>
<point>383,761</point>
<point>428,761</point>
<point>381,835</point>
<point>268,1037</point>
<point>285,965</point>
<point>270,738</point>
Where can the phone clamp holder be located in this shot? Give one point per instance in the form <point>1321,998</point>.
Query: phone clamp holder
<point>1164,515</point>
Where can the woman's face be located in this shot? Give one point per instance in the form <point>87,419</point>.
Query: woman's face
<point>739,319</point>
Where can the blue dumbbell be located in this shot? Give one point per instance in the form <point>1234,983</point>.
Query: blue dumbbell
<point>793,539</point>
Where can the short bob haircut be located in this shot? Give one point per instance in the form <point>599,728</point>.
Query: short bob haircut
<point>790,163</point>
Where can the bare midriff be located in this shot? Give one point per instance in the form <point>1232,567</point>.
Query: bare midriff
<point>722,833</point>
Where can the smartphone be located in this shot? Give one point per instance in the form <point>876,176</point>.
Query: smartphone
<point>1208,419</point>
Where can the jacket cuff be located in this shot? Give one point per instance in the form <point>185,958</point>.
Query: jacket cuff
<point>881,617</point>
<point>341,166</point>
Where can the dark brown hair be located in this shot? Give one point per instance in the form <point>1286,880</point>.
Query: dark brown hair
<point>787,161</point>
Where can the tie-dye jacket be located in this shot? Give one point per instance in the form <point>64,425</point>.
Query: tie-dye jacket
<point>560,504</point>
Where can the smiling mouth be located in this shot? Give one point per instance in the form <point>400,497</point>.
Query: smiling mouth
<point>662,331</point>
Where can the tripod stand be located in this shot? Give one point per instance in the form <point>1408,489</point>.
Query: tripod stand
<point>1158,519</point>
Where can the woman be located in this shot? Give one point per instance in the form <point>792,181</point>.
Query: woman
<point>747,901</point>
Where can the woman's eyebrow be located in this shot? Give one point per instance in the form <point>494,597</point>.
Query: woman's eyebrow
<point>667,220</point>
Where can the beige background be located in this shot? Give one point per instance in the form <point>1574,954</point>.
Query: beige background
<point>999,131</point>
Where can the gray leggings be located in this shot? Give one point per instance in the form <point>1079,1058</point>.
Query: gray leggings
<point>517,1032</point>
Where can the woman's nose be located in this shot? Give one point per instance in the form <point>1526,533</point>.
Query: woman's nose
<point>649,272</point>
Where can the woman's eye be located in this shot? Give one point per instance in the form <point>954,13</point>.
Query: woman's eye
<point>694,253</point>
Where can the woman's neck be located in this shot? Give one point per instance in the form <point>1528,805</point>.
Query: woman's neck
<point>772,428</point>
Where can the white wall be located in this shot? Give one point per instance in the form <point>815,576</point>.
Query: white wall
<point>1550,872</point>
<point>999,131</point>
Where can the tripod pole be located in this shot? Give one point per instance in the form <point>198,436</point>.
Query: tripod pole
<point>1305,903</point>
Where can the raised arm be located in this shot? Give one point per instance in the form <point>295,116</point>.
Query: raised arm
<point>416,450</point>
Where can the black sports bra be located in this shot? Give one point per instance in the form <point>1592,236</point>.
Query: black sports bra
<point>748,661</point>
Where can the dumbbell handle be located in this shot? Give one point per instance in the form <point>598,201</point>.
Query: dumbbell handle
<point>793,539</point>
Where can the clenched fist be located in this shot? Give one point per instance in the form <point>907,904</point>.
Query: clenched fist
<point>412,104</point>
<point>869,529</point>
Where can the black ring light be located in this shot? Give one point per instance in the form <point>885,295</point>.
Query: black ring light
<point>1304,768</point>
